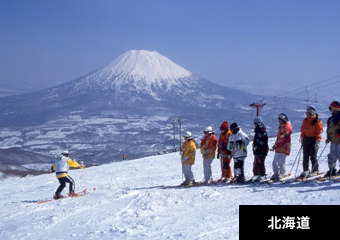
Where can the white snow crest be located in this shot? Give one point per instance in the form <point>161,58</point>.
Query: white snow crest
<point>151,66</point>
<point>142,70</point>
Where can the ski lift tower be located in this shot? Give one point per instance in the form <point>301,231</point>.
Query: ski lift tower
<point>174,125</point>
<point>179,121</point>
<point>258,105</point>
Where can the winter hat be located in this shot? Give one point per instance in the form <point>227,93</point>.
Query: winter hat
<point>311,110</point>
<point>208,130</point>
<point>283,117</point>
<point>258,120</point>
<point>224,125</point>
<point>187,135</point>
<point>335,104</point>
<point>233,126</point>
<point>65,153</point>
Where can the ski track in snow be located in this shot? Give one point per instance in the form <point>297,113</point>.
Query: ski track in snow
<point>130,204</point>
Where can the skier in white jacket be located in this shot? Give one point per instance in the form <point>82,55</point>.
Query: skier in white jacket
<point>61,167</point>
<point>237,148</point>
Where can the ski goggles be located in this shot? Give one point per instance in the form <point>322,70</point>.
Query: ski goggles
<point>330,108</point>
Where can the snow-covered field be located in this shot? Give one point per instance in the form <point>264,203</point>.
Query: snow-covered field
<point>129,203</point>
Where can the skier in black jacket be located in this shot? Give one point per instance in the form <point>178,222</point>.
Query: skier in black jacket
<point>260,149</point>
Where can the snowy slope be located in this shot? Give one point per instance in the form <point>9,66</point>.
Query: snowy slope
<point>129,204</point>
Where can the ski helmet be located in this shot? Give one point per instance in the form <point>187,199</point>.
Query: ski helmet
<point>283,117</point>
<point>187,135</point>
<point>258,120</point>
<point>311,110</point>
<point>208,130</point>
<point>334,105</point>
<point>65,153</point>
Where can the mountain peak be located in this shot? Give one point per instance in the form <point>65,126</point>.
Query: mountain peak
<point>147,65</point>
<point>140,71</point>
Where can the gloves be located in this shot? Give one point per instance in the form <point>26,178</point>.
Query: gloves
<point>301,141</point>
<point>317,145</point>
<point>218,155</point>
<point>327,140</point>
<point>337,135</point>
<point>242,146</point>
<point>274,147</point>
<point>184,158</point>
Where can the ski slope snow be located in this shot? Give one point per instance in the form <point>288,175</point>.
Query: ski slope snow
<point>129,202</point>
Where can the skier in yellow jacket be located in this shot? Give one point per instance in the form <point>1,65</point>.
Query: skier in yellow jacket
<point>61,168</point>
<point>188,153</point>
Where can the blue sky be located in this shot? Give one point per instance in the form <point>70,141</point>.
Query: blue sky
<point>281,44</point>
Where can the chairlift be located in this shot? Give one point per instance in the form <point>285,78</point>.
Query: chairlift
<point>316,94</point>
<point>307,95</point>
<point>284,104</point>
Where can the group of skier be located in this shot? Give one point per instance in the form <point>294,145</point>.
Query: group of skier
<point>232,145</point>
<point>233,142</point>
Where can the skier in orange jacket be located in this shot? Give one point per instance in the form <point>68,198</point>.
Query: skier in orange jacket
<point>311,130</point>
<point>222,152</point>
<point>281,147</point>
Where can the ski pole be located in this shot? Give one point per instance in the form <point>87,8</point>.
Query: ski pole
<point>182,173</point>
<point>297,155</point>
<point>221,158</point>
<point>298,163</point>
<point>317,160</point>
<point>180,140</point>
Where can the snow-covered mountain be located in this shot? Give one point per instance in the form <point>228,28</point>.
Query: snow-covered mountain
<point>141,71</point>
<point>135,79</point>
<point>128,107</point>
<point>125,106</point>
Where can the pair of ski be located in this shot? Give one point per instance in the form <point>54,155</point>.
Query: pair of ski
<point>290,179</point>
<point>327,178</point>
<point>212,183</point>
<point>270,181</point>
<point>317,178</point>
<point>78,194</point>
<point>305,179</point>
<point>198,184</point>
